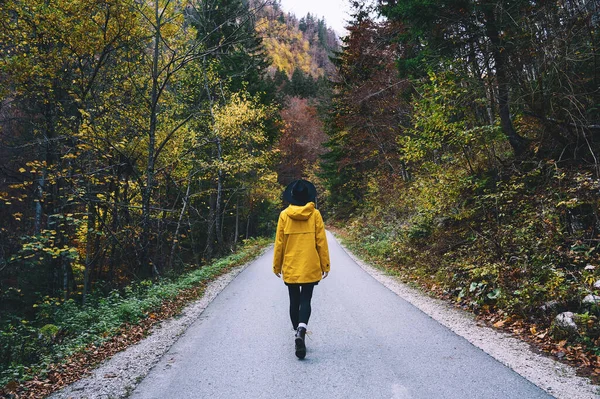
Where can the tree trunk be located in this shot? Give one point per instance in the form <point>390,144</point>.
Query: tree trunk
<point>218,224</point>
<point>237,223</point>
<point>67,277</point>
<point>517,142</point>
<point>146,263</point>
<point>210,237</point>
<point>215,216</point>
<point>89,258</point>
<point>115,224</point>
<point>176,235</point>
<point>39,211</point>
<point>49,192</point>
<point>248,227</point>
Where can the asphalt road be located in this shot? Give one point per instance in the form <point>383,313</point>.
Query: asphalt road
<point>365,342</point>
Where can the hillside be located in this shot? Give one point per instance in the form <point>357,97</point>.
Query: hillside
<point>291,43</point>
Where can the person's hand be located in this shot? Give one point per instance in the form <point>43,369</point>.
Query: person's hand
<point>278,275</point>
<point>325,274</point>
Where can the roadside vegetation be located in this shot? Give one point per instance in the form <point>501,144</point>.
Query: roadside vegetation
<point>456,143</point>
<point>67,339</point>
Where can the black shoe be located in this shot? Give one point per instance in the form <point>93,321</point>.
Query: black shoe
<point>300,345</point>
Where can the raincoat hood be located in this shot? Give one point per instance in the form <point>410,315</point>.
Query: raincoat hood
<point>300,212</point>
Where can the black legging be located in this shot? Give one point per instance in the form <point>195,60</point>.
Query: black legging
<point>300,296</point>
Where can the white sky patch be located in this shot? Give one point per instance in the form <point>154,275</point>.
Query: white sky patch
<point>335,12</point>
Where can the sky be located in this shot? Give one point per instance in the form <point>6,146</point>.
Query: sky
<point>335,12</point>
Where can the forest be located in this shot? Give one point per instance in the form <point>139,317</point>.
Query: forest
<point>144,147</point>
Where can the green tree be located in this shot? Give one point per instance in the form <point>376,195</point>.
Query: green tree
<point>476,33</point>
<point>301,85</point>
<point>367,114</point>
<point>230,26</point>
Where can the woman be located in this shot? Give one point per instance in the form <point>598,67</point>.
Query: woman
<point>301,254</point>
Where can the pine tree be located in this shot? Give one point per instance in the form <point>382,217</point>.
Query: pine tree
<point>242,59</point>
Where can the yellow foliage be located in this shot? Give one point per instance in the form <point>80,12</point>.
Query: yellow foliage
<point>239,124</point>
<point>287,48</point>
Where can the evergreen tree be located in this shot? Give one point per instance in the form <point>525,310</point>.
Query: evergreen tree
<point>322,34</point>
<point>242,60</point>
<point>301,85</point>
<point>453,29</point>
<point>367,113</point>
<point>281,79</point>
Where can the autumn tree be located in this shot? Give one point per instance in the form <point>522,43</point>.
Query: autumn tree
<point>55,75</point>
<point>301,142</point>
<point>100,140</point>
<point>137,140</point>
<point>291,44</point>
<point>368,111</point>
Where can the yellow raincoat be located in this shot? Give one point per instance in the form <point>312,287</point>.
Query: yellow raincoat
<point>301,251</point>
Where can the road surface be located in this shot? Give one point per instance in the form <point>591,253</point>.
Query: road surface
<point>365,342</point>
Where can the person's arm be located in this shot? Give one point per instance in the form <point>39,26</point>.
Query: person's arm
<point>278,256</point>
<point>322,247</point>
